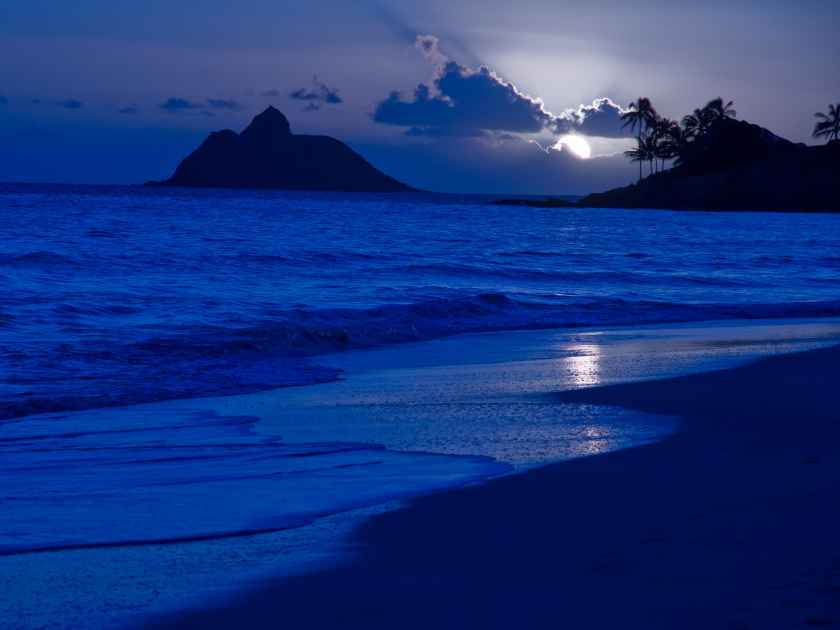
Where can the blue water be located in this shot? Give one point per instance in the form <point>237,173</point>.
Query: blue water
<point>115,296</point>
<point>118,295</point>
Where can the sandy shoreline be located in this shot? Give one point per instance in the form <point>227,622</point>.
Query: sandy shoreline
<point>729,523</point>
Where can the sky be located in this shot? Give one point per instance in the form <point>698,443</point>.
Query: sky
<point>451,96</point>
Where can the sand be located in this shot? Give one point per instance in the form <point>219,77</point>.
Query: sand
<point>732,522</point>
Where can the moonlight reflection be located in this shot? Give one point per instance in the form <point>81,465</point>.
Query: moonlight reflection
<point>584,365</point>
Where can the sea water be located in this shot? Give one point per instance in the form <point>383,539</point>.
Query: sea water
<point>119,295</point>
<point>122,309</point>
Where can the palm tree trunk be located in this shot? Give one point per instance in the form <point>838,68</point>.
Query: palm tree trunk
<point>640,161</point>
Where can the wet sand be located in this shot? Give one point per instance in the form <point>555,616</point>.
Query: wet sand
<point>729,523</point>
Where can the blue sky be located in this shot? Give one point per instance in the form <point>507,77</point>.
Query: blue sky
<point>111,92</point>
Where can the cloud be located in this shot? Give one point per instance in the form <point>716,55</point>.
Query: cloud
<point>319,94</point>
<point>70,103</point>
<point>429,46</point>
<point>174,104</point>
<point>3,100</point>
<point>129,111</point>
<point>465,99</point>
<point>466,102</point>
<point>602,119</point>
<point>271,93</point>
<point>224,104</point>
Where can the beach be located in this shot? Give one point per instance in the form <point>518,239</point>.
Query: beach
<point>419,315</point>
<point>730,522</point>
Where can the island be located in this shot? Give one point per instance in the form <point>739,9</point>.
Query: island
<point>735,165</point>
<point>268,155</point>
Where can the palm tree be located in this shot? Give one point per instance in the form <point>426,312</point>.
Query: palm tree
<point>644,151</point>
<point>828,125</point>
<point>669,137</point>
<point>696,123</point>
<point>677,142</point>
<point>637,154</point>
<point>639,115</point>
<point>716,109</point>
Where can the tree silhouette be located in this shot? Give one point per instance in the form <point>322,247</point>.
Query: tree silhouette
<point>669,137</point>
<point>695,124</point>
<point>640,115</point>
<point>644,151</point>
<point>698,122</point>
<point>716,109</point>
<point>661,139</point>
<point>828,125</point>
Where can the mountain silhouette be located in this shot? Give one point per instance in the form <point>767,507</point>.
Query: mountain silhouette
<point>268,155</point>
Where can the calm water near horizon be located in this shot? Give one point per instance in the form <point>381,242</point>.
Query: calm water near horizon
<point>203,303</point>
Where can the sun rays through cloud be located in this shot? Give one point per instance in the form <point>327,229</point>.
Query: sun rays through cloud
<point>577,144</point>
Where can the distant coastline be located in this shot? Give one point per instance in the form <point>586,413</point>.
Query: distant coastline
<point>734,166</point>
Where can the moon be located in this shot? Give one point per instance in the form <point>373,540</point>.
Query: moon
<point>576,144</point>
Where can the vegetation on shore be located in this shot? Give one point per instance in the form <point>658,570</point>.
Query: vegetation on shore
<point>661,139</point>
<point>828,125</point>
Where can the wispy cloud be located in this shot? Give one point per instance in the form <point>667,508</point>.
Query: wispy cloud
<point>224,104</point>
<point>174,105</point>
<point>178,105</point>
<point>317,95</point>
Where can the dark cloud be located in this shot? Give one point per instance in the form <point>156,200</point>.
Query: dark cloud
<point>602,118</point>
<point>174,104</point>
<point>129,111</point>
<point>271,93</point>
<point>465,99</point>
<point>70,103</point>
<point>320,93</point>
<point>464,102</point>
<point>36,101</point>
<point>3,100</point>
<point>224,104</point>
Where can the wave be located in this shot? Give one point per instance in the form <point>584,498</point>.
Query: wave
<point>36,259</point>
<point>566,276</point>
<point>217,360</point>
<point>117,469</point>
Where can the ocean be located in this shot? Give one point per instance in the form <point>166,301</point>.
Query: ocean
<point>149,339</point>
<point>116,295</point>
